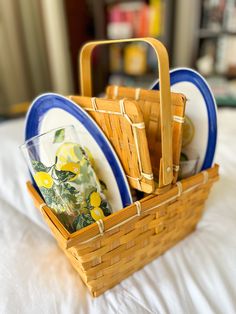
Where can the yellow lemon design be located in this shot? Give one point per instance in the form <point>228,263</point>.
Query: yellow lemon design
<point>95,199</point>
<point>72,167</point>
<point>188,131</point>
<point>66,152</point>
<point>43,179</point>
<point>90,156</point>
<point>97,213</point>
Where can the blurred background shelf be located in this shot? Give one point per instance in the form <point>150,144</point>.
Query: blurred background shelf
<point>217,48</point>
<point>206,33</point>
<point>41,40</point>
<point>14,111</point>
<point>126,19</point>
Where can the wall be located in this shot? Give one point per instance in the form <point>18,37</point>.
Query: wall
<point>34,54</point>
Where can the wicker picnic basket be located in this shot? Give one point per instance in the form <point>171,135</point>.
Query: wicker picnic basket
<point>111,249</point>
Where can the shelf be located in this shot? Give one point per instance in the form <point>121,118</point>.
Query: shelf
<point>206,33</point>
<point>226,101</point>
<point>15,110</point>
<point>144,81</point>
<point>108,2</point>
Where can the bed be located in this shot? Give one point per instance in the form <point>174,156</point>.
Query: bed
<point>198,275</point>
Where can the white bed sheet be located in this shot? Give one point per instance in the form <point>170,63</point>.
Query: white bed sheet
<point>196,276</point>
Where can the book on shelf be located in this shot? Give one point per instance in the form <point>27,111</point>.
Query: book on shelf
<point>136,19</point>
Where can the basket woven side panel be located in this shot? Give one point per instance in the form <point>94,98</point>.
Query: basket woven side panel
<point>149,101</point>
<point>133,236</point>
<point>126,132</point>
<point>106,260</point>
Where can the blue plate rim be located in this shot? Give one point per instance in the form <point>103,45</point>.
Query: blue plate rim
<point>183,74</point>
<point>32,128</point>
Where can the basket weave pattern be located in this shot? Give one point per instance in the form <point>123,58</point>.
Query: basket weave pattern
<point>129,239</point>
<point>149,103</point>
<point>124,127</point>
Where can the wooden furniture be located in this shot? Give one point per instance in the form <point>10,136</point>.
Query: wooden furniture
<point>15,110</point>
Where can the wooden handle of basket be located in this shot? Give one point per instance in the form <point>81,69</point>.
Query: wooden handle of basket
<point>166,173</point>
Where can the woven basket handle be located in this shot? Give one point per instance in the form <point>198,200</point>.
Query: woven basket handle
<point>166,173</point>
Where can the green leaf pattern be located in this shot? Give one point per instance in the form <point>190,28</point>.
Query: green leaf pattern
<point>39,166</point>
<point>69,195</point>
<point>59,136</point>
<point>64,176</point>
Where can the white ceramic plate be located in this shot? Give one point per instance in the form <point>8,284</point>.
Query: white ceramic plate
<point>50,111</point>
<point>202,111</point>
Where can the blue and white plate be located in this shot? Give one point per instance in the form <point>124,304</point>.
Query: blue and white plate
<point>50,111</point>
<point>200,109</point>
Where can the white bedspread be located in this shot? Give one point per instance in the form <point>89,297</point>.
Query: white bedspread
<point>196,276</point>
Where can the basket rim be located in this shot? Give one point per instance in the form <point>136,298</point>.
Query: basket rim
<point>120,217</point>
